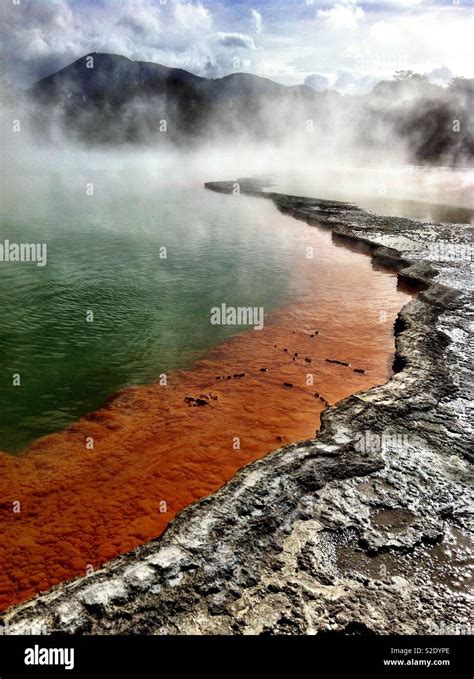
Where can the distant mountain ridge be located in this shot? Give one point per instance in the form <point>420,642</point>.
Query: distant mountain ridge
<point>108,98</point>
<point>107,71</point>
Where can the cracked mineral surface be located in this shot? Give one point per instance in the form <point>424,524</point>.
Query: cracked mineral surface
<point>364,528</point>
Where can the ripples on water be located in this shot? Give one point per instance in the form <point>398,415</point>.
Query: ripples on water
<point>151,315</point>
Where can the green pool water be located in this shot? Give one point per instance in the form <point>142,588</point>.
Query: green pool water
<point>150,314</point>
<point>106,218</point>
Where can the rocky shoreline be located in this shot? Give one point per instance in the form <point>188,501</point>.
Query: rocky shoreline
<point>364,528</point>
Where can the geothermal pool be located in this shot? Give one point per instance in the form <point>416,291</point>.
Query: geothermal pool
<point>196,400</point>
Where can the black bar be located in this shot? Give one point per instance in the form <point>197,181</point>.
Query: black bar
<point>325,655</point>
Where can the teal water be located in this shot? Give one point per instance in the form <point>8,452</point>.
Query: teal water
<point>151,315</point>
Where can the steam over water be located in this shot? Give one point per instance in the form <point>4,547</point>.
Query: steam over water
<point>240,393</point>
<point>135,240</point>
<point>151,306</point>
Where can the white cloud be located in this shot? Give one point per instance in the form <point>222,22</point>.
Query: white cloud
<point>141,16</point>
<point>421,38</point>
<point>257,19</point>
<point>37,38</point>
<point>440,76</point>
<point>383,32</point>
<point>236,40</point>
<point>317,82</point>
<point>344,15</point>
<point>192,18</point>
<point>347,82</point>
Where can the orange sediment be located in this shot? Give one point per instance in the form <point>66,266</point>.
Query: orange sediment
<point>66,507</point>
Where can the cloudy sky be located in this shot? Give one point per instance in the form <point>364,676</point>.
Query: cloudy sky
<point>347,44</point>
